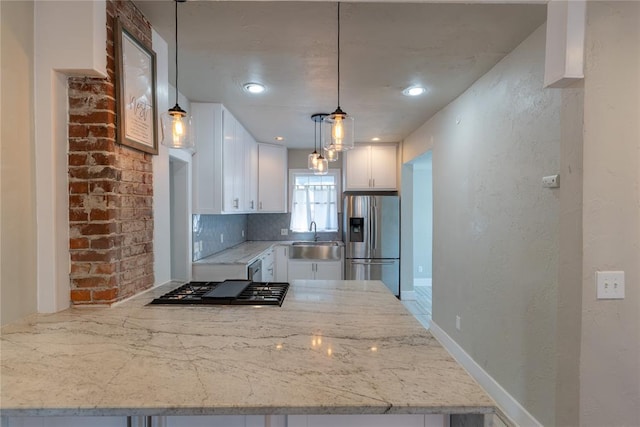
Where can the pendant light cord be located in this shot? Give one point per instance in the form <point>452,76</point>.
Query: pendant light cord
<point>338,54</point>
<point>176,1</point>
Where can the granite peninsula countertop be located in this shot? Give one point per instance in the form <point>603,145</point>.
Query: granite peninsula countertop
<point>243,253</point>
<point>341,347</point>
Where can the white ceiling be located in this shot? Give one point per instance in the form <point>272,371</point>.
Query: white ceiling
<point>291,47</point>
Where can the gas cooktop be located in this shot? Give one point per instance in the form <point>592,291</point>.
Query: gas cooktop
<point>229,292</point>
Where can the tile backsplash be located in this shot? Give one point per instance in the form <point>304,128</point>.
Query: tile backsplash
<point>268,226</point>
<point>207,230</point>
<point>236,229</point>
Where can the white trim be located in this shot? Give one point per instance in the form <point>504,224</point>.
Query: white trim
<point>506,403</point>
<point>425,281</point>
<point>408,295</point>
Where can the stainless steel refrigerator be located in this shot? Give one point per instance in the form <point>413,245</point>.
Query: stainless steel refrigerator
<point>371,233</point>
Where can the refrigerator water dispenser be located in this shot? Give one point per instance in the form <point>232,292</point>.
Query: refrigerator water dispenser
<point>356,232</point>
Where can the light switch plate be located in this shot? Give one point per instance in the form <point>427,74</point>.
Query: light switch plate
<point>610,284</point>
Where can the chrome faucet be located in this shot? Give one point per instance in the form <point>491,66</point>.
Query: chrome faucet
<point>315,230</point>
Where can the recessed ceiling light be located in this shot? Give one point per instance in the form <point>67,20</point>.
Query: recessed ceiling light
<point>375,139</point>
<point>279,138</point>
<point>414,91</point>
<point>254,87</point>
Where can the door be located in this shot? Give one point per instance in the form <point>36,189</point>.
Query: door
<point>385,226</point>
<point>383,167</point>
<point>358,169</point>
<point>387,270</point>
<point>328,270</point>
<point>357,227</point>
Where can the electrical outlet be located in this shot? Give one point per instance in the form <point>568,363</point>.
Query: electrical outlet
<point>242,233</point>
<point>284,231</point>
<point>419,269</point>
<point>458,322</point>
<point>551,181</point>
<point>221,238</point>
<point>610,284</point>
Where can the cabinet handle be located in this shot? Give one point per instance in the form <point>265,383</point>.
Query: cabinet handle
<point>369,182</point>
<point>260,206</point>
<point>236,203</point>
<point>252,204</point>
<point>374,183</point>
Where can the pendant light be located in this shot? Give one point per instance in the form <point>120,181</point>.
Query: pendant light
<point>317,163</point>
<point>312,162</point>
<point>176,123</point>
<point>339,124</point>
<point>322,166</point>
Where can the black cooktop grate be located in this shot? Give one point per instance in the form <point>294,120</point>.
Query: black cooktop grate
<point>256,293</point>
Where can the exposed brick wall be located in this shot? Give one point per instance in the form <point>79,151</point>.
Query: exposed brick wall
<point>110,186</point>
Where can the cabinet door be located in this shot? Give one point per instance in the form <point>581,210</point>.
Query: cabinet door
<point>207,161</point>
<point>282,258</point>
<point>268,266</point>
<point>300,270</point>
<point>328,270</point>
<point>383,167</point>
<point>229,202</point>
<point>250,173</point>
<point>272,178</point>
<point>358,169</point>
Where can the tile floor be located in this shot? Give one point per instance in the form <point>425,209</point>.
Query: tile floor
<point>421,306</point>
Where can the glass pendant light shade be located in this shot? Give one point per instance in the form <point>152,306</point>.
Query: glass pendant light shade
<point>322,166</point>
<point>312,163</point>
<point>338,125</point>
<point>338,131</point>
<point>331,154</point>
<point>176,123</point>
<point>176,128</point>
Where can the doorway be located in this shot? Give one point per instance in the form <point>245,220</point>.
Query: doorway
<point>417,190</point>
<point>180,228</point>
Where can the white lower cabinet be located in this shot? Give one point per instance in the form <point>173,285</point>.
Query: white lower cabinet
<point>65,422</point>
<point>223,421</point>
<point>268,266</point>
<point>234,421</point>
<point>401,420</point>
<point>314,270</point>
<point>281,261</point>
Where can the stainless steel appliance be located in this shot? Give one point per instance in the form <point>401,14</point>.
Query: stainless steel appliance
<point>371,234</point>
<point>229,292</point>
<point>254,271</point>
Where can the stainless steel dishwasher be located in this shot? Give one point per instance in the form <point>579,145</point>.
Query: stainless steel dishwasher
<point>254,271</point>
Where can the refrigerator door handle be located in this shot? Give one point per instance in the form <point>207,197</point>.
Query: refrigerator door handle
<point>373,262</point>
<point>374,216</point>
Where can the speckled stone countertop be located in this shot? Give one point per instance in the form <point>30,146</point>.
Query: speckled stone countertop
<point>244,253</point>
<point>341,347</point>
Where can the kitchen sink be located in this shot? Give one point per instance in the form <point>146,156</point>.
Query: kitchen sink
<point>316,250</point>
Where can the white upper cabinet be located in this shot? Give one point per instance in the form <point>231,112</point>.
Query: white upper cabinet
<point>272,178</point>
<point>223,178</point>
<point>371,167</point>
<point>251,173</point>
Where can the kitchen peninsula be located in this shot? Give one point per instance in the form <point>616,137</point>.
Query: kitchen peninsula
<point>334,347</point>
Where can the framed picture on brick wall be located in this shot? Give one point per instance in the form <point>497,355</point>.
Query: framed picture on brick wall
<point>135,92</point>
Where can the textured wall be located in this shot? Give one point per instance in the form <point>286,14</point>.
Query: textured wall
<point>495,228</point>
<point>610,353</point>
<point>18,252</point>
<point>423,219</point>
<point>110,185</point>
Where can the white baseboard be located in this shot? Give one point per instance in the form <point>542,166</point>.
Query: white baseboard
<point>426,281</point>
<point>509,406</point>
<point>408,295</point>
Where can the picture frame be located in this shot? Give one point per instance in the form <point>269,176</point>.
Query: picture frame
<point>136,103</point>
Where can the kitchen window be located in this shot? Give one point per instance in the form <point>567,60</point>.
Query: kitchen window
<point>314,198</point>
